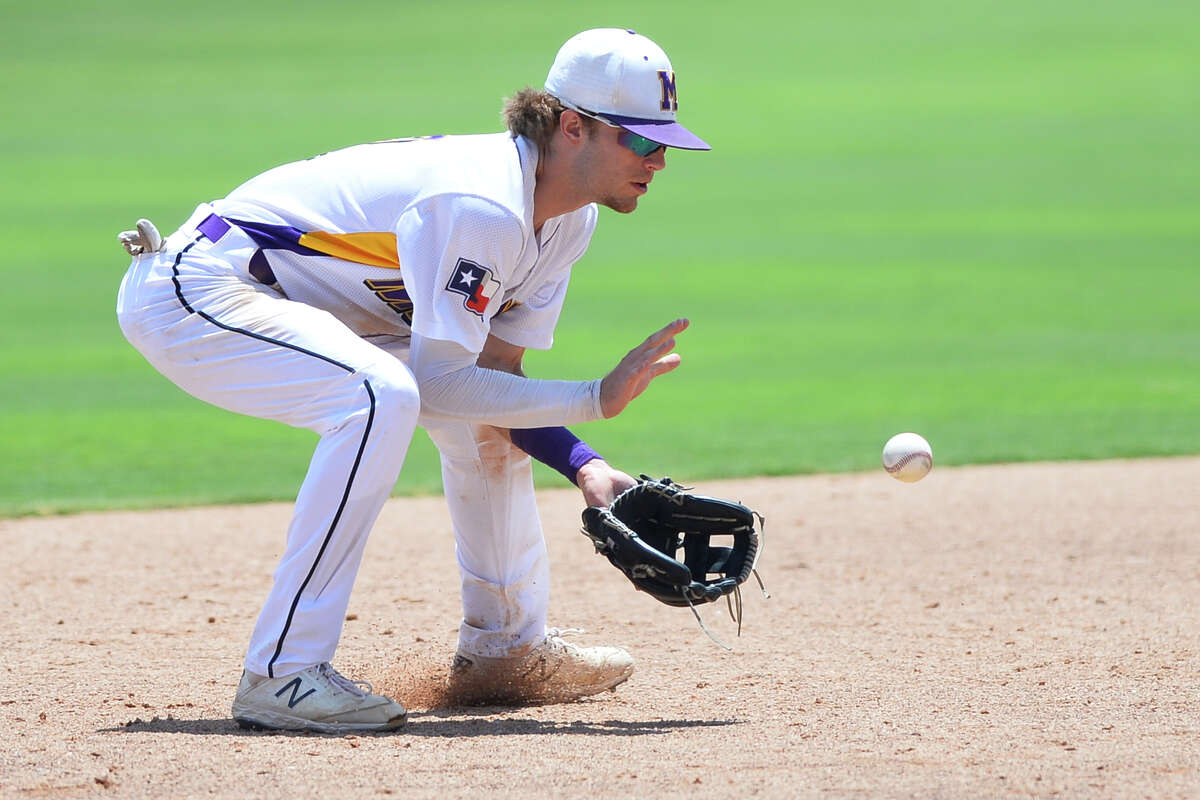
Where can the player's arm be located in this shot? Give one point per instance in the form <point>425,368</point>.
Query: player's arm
<point>557,447</point>
<point>502,355</point>
<point>454,386</point>
<point>454,252</point>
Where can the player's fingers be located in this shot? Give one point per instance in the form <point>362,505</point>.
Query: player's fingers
<point>645,362</point>
<point>656,368</point>
<point>638,361</point>
<point>670,361</point>
<point>665,364</point>
<point>676,326</point>
<point>653,370</point>
<point>659,343</point>
<point>655,353</point>
<point>660,363</point>
<point>666,332</point>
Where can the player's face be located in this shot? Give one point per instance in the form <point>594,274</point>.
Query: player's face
<point>617,176</point>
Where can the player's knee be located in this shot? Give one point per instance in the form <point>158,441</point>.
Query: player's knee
<point>467,442</point>
<point>394,393</point>
<point>494,446</point>
<point>382,396</point>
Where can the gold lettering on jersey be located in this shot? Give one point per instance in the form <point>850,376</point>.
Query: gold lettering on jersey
<point>393,293</point>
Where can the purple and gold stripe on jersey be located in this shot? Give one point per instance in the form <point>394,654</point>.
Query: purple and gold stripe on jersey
<point>373,249</point>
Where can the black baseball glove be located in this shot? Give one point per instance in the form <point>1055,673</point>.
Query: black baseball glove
<point>645,527</point>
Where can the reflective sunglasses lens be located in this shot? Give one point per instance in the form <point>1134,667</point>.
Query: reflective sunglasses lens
<point>640,145</point>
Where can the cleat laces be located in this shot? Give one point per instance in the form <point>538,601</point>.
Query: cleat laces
<point>357,688</point>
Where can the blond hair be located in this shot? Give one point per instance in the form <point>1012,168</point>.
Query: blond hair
<point>534,114</point>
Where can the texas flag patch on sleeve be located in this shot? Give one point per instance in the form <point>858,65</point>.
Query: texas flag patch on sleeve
<point>475,283</point>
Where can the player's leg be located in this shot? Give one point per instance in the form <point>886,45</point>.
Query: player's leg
<point>242,347</point>
<point>501,551</point>
<point>505,652</point>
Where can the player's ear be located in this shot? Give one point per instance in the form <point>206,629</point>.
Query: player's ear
<point>571,126</point>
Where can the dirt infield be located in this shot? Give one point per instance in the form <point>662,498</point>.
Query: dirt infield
<point>992,631</point>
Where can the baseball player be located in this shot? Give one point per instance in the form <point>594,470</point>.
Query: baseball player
<point>372,289</point>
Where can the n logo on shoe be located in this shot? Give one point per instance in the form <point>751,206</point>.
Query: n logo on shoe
<point>294,685</point>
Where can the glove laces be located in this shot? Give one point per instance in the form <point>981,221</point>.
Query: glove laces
<point>733,600</point>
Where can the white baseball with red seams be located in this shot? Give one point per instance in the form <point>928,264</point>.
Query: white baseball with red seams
<point>907,457</point>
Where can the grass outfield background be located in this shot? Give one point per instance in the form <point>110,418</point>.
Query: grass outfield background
<point>979,221</point>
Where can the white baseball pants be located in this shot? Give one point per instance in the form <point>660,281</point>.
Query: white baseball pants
<point>198,317</point>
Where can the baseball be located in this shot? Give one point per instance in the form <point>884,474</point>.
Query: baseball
<point>907,457</point>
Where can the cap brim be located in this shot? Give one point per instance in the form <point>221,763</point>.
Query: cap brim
<point>667,132</point>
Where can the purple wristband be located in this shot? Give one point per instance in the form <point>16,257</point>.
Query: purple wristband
<point>555,447</point>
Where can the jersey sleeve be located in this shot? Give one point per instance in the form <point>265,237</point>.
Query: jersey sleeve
<point>531,323</point>
<point>456,254</point>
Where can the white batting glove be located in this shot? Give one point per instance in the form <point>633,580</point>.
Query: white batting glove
<point>146,239</point>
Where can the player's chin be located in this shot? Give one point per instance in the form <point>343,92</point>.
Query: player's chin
<point>622,205</point>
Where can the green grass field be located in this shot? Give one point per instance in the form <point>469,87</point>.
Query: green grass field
<point>979,221</point>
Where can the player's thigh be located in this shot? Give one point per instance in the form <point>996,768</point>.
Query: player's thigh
<point>256,353</point>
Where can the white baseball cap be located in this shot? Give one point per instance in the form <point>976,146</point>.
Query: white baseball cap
<point>622,78</point>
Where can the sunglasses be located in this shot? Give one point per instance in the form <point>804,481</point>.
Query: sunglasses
<point>640,145</point>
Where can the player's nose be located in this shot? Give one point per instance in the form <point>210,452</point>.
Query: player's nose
<point>657,160</point>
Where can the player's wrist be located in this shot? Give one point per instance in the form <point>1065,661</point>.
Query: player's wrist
<point>594,466</point>
<point>594,463</point>
<point>557,448</point>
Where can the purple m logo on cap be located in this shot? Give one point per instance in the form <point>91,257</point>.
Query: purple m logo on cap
<point>669,101</point>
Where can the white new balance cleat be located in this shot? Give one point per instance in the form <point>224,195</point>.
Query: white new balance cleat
<point>315,699</point>
<point>555,671</point>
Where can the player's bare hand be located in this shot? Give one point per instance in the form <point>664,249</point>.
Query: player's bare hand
<point>600,483</point>
<point>643,364</point>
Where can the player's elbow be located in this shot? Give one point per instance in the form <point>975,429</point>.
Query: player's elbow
<point>501,355</point>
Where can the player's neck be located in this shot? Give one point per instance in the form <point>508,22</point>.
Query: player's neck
<point>556,192</point>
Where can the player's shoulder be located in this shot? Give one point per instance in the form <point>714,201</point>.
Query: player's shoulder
<point>472,222</point>
<point>482,172</point>
<point>478,210</point>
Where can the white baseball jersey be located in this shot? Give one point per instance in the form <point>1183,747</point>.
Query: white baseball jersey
<point>429,235</point>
